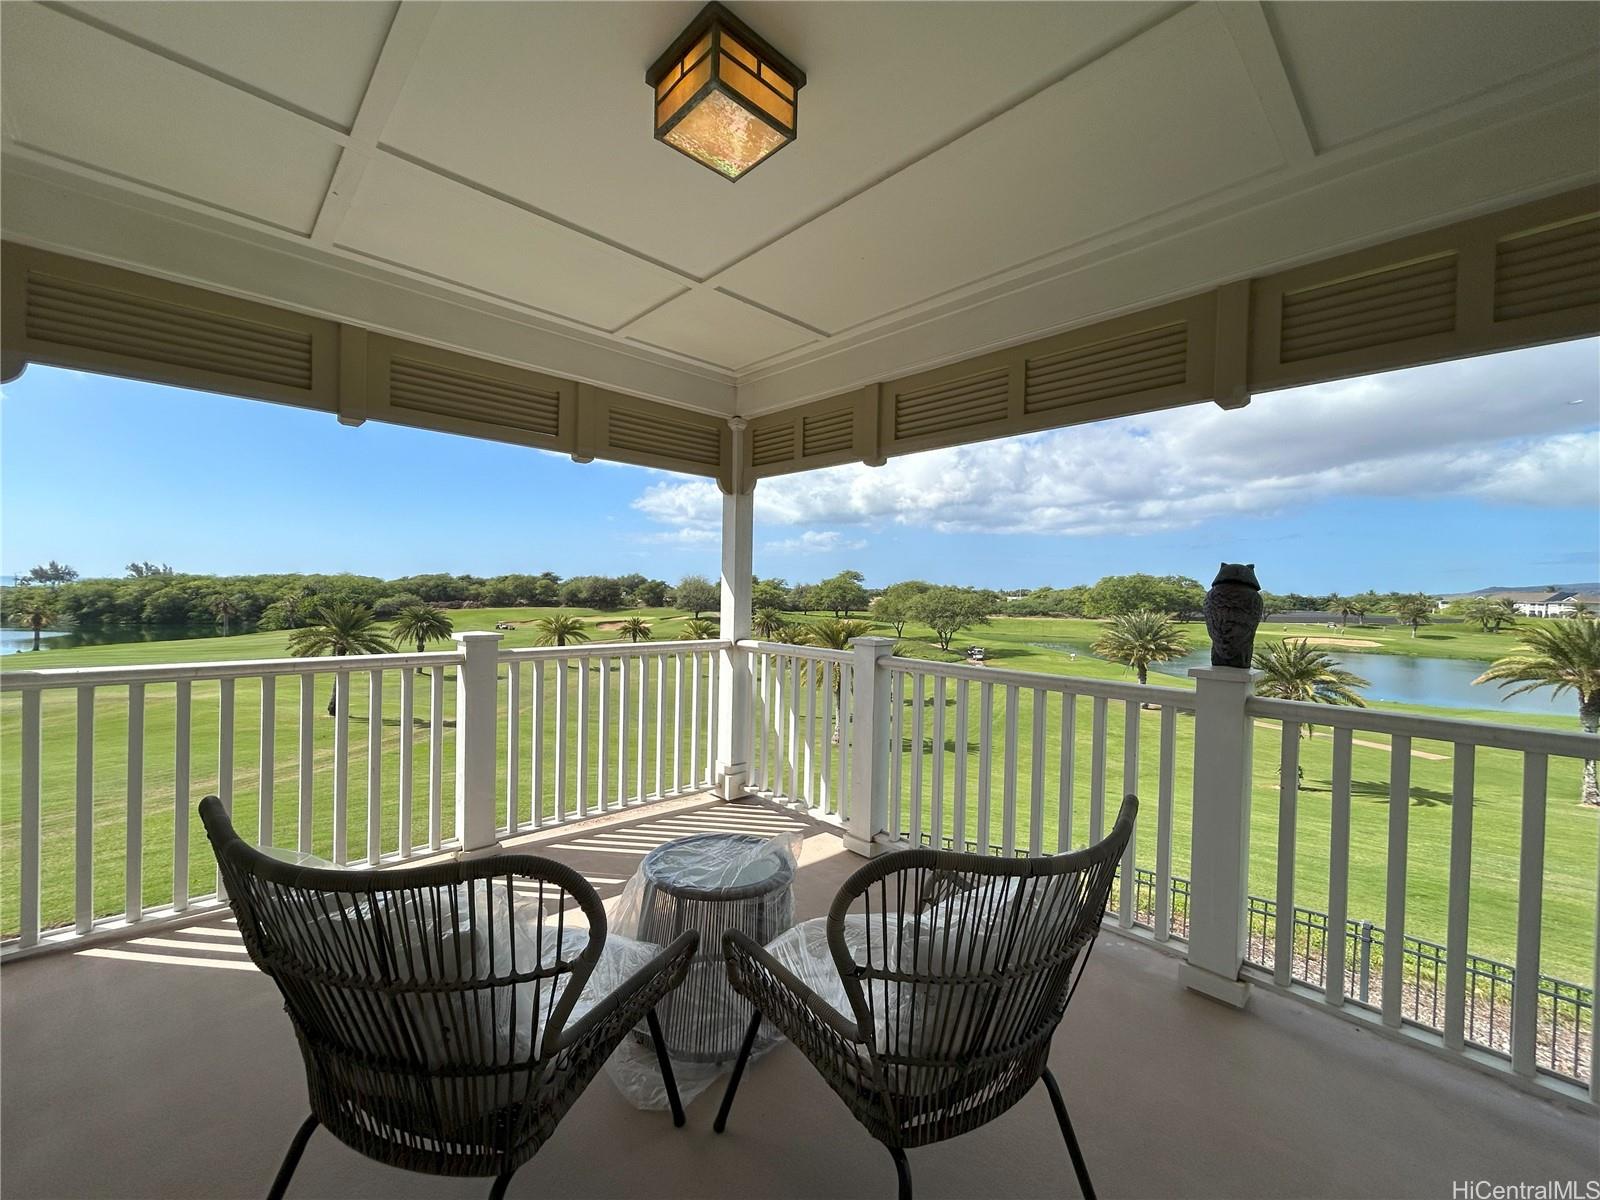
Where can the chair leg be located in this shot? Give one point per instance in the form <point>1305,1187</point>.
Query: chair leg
<point>738,1071</point>
<point>667,1077</point>
<point>902,1170</point>
<point>291,1160</point>
<point>501,1182</point>
<point>1066,1132</point>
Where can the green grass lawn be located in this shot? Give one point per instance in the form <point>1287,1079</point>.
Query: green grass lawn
<point>1571,838</point>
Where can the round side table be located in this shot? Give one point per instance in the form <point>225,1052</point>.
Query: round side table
<point>687,886</point>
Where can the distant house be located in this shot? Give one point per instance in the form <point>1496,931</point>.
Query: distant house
<point>1548,604</point>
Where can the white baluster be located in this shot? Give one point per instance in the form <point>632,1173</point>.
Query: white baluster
<point>1463,770</point>
<point>1128,905</point>
<point>536,746</point>
<point>133,867</point>
<point>1333,955</point>
<point>563,740</point>
<point>623,696</point>
<point>341,768</point>
<point>1163,899</point>
<point>1008,779</point>
<point>83,834</point>
<point>583,738</point>
<point>180,799</point>
<point>1530,910</point>
<point>307,761</point>
<point>985,762</point>
<point>513,744</point>
<point>1097,773</point>
<point>936,800</point>
<point>1036,791</point>
<point>266,767</point>
<point>374,767</point>
<point>1288,801</point>
<point>603,749</point>
<point>1394,921</point>
<point>917,707</point>
<point>224,760</point>
<point>435,757</point>
<point>1069,751</point>
<point>963,734</point>
<point>408,742</point>
<point>29,797</point>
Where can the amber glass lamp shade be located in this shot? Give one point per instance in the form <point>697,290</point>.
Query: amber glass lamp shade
<point>723,96</point>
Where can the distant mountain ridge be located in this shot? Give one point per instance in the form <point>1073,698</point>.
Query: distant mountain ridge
<point>1585,588</point>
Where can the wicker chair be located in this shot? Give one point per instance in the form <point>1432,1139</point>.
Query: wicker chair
<point>435,1029</point>
<point>931,1006</point>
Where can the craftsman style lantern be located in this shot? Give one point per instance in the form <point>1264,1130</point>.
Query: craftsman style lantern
<point>724,96</point>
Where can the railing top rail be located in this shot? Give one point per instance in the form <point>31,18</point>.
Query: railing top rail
<point>58,677</point>
<point>820,653</point>
<point>1439,729</point>
<point>608,649</point>
<point>1180,699</point>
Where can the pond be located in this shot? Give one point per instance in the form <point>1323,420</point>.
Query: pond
<point>1439,682</point>
<point>13,641</point>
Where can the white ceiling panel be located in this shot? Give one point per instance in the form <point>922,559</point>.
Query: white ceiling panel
<point>1362,67</point>
<point>547,103</point>
<point>314,57</point>
<point>157,123</point>
<point>1166,120</point>
<point>717,329</point>
<point>405,215</point>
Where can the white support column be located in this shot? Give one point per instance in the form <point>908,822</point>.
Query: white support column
<point>867,831</point>
<point>477,721</point>
<point>1220,843</point>
<point>735,692</point>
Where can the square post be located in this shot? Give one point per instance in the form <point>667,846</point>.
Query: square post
<point>867,828</point>
<point>1220,842</point>
<point>477,732</point>
<point>736,695</point>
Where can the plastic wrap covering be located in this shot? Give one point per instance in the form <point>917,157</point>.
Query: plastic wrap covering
<point>711,882</point>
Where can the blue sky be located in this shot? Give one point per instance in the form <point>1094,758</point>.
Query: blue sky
<point>1440,478</point>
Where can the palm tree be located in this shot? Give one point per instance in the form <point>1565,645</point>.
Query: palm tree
<point>637,629</point>
<point>559,629</point>
<point>701,629</point>
<point>36,612</point>
<point>830,635</point>
<point>1562,656</point>
<point>1413,611</point>
<point>225,610</point>
<point>769,624</point>
<point>421,623</point>
<point>1294,669</point>
<point>341,627</point>
<point>1140,638</point>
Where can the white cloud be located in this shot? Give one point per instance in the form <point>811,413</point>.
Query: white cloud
<point>816,541</point>
<point>1511,429</point>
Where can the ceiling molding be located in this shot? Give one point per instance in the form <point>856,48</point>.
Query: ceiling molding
<point>401,45</point>
<point>1263,61</point>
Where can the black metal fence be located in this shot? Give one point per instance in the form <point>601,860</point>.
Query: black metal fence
<point>1565,1020</point>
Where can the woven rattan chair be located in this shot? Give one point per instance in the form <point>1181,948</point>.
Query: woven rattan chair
<point>435,1028</point>
<point>948,976</point>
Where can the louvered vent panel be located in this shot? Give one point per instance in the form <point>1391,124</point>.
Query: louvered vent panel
<point>1396,305</point>
<point>959,404</point>
<point>642,433</point>
<point>827,433</point>
<point>1549,270</point>
<point>771,444</point>
<point>1125,366</point>
<point>70,312</point>
<point>423,387</point>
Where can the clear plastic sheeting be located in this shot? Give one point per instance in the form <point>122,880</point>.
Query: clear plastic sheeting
<point>710,882</point>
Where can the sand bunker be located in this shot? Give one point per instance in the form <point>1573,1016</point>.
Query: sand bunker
<point>1355,643</point>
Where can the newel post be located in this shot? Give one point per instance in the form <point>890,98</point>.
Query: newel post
<point>477,732</point>
<point>1220,843</point>
<point>866,829</point>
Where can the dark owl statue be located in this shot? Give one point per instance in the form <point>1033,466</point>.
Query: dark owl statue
<point>1233,609</point>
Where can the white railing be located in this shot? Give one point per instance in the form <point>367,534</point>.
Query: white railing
<point>1016,762</point>
<point>130,750</point>
<point>800,745</point>
<point>422,753</point>
<point>605,727</point>
<point>1438,983</point>
<point>895,751</point>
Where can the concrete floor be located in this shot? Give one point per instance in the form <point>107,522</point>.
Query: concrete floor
<point>165,1067</point>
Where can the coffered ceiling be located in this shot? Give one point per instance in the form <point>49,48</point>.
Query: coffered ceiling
<point>483,177</point>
